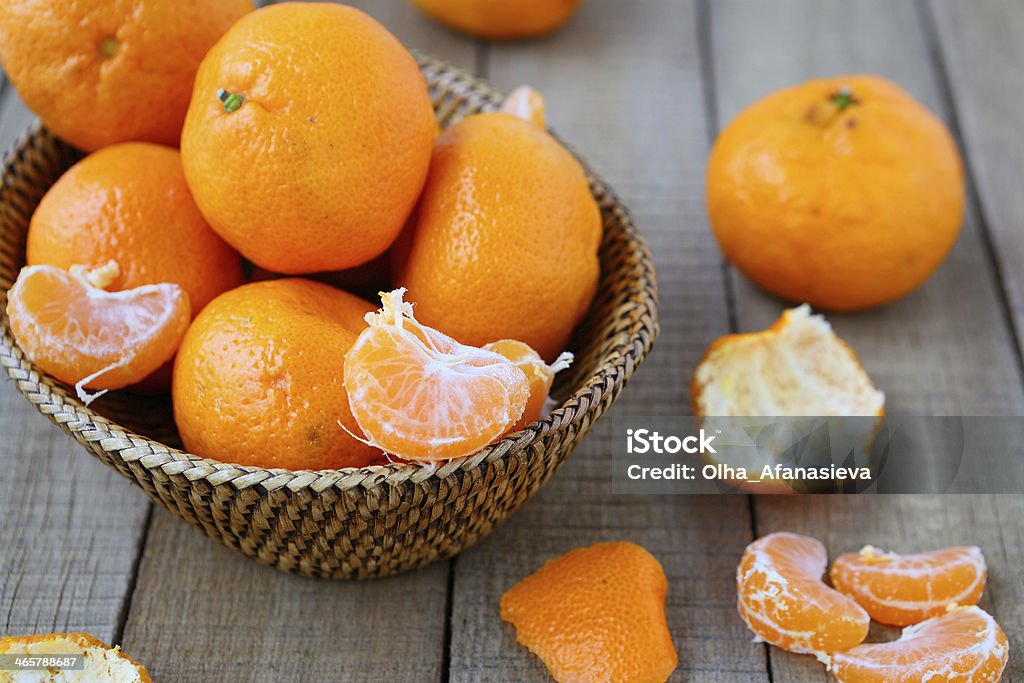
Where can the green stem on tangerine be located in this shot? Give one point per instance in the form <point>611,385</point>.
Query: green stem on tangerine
<point>844,97</point>
<point>108,47</point>
<point>231,100</point>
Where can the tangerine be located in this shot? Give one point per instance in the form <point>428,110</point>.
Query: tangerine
<point>308,138</point>
<point>504,240</point>
<point>906,589</point>
<point>259,378</point>
<point>420,395</point>
<point>844,193</point>
<point>783,599</point>
<point>98,72</point>
<point>74,330</point>
<point>966,645</point>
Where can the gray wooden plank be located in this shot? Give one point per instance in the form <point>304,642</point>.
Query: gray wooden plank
<point>72,527</point>
<point>913,524</point>
<point>15,117</point>
<point>623,86</point>
<point>946,348</point>
<point>71,533</point>
<point>202,612</point>
<point>982,46</point>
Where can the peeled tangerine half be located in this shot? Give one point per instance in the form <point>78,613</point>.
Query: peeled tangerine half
<point>964,645</point>
<point>79,333</point>
<point>901,590</point>
<point>100,662</point>
<point>798,366</point>
<point>596,614</point>
<point>420,395</point>
<point>783,599</point>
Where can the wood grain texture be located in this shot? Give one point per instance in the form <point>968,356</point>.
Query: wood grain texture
<point>622,83</point>
<point>72,527</point>
<point>202,612</point>
<point>946,348</point>
<point>982,48</point>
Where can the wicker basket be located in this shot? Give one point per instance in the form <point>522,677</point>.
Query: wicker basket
<point>351,523</point>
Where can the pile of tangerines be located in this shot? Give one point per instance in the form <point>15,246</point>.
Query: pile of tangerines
<point>250,172</point>
<point>308,147</point>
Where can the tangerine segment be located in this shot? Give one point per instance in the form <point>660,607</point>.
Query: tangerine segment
<point>539,374</point>
<point>906,589</point>
<point>783,599</point>
<point>419,394</point>
<point>596,614</point>
<point>81,334</point>
<point>966,645</point>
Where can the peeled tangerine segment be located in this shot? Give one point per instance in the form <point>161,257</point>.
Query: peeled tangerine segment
<point>901,590</point>
<point>420,395</point>
<point>86,336</point>
<point>965,645</point>
<point>596,614</point>
<point>539,374</point>
<point>798,366</point>
<point>783,599</point>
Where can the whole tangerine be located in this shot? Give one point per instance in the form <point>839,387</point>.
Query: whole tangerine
<point>501,19</point>
<point>259,377</point>
<point>308,138</point>
<point>504,240</point>
<point>844,193</point>
<point>130,203</point>
<point>99,72</point>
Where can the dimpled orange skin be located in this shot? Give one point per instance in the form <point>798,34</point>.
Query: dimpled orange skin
<point>596,614</point>
<point>843,209</point>
<point>783,599</point>
<point>258,379</point>
<point>501,19</point>
<point>503,244</point>
<point>100,72</point>
<point>321,163</point>
<point>130,203</point>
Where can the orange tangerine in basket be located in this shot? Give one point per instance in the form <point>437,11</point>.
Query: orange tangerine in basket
<point>539,374</point>
<point>906,589</point>
<point>420,395</point>
<point>965,645</point>
<point>504,240</point>
<point>79,333</point>
<point>783,599</point>
<point>259,378</point>
<point>596,614</point>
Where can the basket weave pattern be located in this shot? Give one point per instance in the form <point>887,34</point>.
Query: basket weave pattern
<point>351,523</point>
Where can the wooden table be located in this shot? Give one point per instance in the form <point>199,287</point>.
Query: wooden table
<point>640,87</point>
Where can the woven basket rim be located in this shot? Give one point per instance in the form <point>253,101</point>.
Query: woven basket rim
<point>56,399</point>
